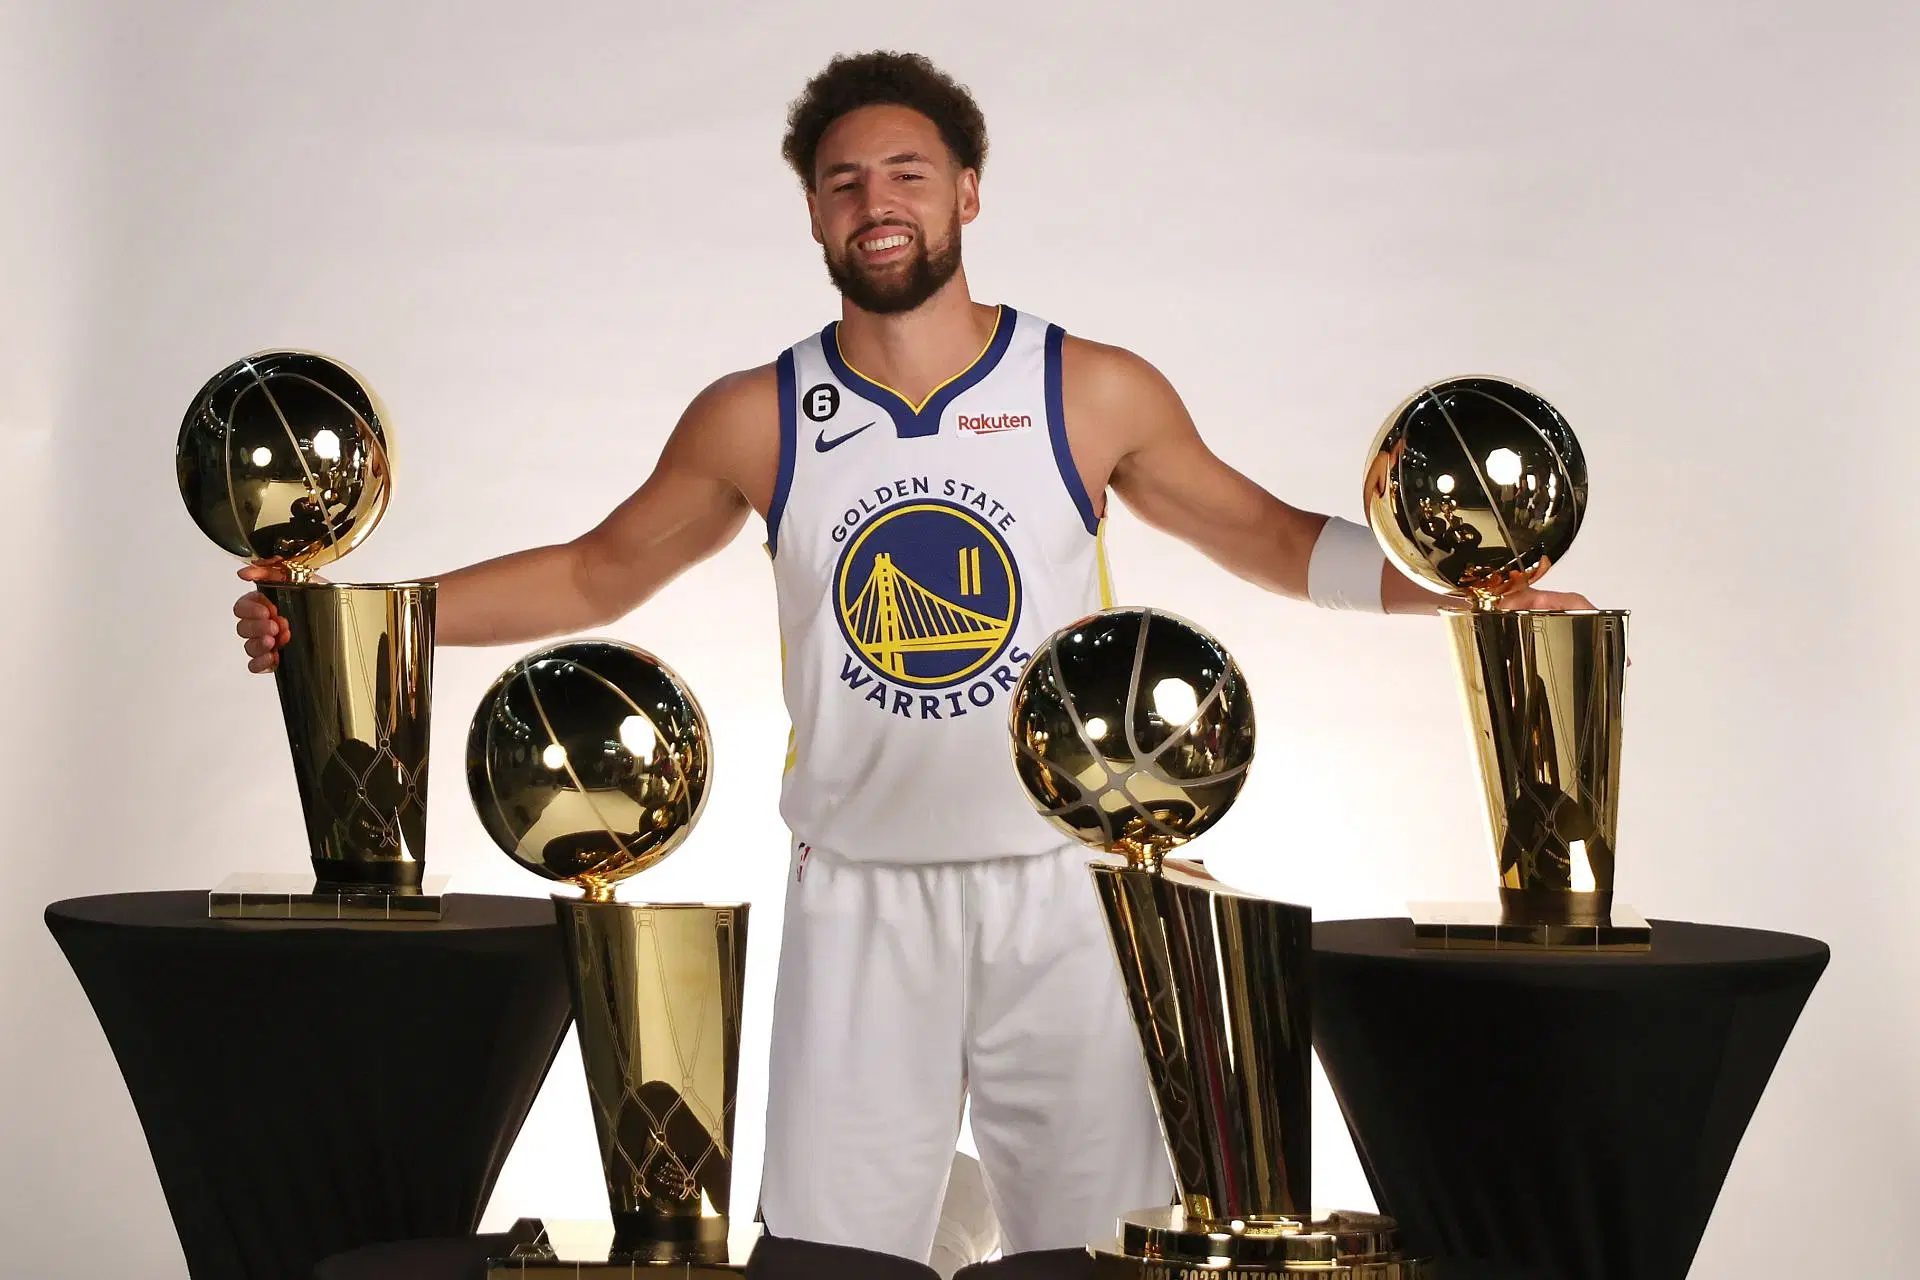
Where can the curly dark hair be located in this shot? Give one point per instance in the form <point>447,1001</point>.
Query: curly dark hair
<point>857,80</point>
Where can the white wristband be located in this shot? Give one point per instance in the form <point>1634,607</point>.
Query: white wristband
<point>1346,568</point>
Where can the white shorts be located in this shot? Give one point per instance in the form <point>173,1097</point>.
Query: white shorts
<point>903,989</point>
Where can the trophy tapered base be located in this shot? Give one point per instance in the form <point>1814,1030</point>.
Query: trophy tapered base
<point>1166,1244</point>
<point>1487,926</point>
<point>297,897</point>
<point>399,874</point>
<point>560,1248</point>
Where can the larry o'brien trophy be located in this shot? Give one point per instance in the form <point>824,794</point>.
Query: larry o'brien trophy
<point>284,459</point>
<point>1477,486</point>
<point>1132,732</point>
<point>589,762</point>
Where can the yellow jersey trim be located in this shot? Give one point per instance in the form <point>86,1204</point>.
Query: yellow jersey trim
<point>999,318</point>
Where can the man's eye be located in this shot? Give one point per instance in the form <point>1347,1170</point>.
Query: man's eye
<point>846,186</point>
<point>907,177</point>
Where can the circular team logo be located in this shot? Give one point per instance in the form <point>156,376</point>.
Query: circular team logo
<point>927,593</point>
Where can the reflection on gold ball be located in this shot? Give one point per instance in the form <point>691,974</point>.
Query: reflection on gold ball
<point>284,456</point>
<point>588,762</point>
<point>1476,486</point>
<point>1132,732</point>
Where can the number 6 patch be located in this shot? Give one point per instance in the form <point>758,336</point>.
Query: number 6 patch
<point>821,402</point>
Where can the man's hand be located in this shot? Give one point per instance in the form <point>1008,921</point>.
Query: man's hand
<point>1536,599</point>
<point>261,625</point>
<point>1402,594</point>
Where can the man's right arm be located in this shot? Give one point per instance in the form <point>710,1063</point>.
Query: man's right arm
<point>717,468</point>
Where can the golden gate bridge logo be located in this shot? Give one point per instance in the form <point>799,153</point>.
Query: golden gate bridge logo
<point>928,594</point>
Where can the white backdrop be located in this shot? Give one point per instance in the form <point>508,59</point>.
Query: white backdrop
<point>540,229</point>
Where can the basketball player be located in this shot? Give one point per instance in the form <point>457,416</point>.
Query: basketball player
<point>933,473</point>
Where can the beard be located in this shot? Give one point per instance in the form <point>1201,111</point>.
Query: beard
<point>899,286</point>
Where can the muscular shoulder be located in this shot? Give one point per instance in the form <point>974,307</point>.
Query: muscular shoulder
<point>1102,364</point>
<point>1112,382</point>
<point>731,431</point>
<point>1115,403</point>
<point>737,402</point>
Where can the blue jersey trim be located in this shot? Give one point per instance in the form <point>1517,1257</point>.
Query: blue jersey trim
<point>783,375</point>
<point>911,420</point>
<point>1057,429</point>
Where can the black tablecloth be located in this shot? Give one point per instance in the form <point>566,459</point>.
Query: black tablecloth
<point>460,1258</point>
<point>1552,1116</point>
<point>309,1088</point>
<point>772,1259</point>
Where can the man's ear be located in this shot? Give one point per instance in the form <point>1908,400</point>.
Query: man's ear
<point>969,185</point>
<point>813,220</point>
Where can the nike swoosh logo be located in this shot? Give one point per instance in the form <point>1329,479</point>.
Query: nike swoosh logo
<point>821,444</point>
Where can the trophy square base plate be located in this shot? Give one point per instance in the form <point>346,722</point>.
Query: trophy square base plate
<point>1478,926</point>
<point>300,897</point>
<point>565,1248</point>
<point>1166,1244</point>
<point>1108,1264</point>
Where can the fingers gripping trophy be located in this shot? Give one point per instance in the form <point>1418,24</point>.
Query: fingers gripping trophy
<point>284,459</point>
<point>1133,732</point>
<point>589,762</point>
<point>1477,486</point>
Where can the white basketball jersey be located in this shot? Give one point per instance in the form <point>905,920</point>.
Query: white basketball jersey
<point>921,553</point>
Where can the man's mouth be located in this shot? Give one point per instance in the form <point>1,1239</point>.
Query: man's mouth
<point>883,247</point>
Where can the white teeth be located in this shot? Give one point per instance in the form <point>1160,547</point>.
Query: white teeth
<point>884,243</point>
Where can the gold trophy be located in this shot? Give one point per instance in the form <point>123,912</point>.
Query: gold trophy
<point>1132,732</point>
<point>589,762</point>
<point>1477,486</point>
<point>283,458</point>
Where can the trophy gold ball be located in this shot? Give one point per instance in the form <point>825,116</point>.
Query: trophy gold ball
<point>1132,732</point>
<point>589,762</point>
<point>283,457</point>
<point>1476,486</point>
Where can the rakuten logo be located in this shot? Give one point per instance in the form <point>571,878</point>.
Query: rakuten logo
<point>998,422</point>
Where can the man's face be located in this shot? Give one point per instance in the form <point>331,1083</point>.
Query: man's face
<point>888,202</point>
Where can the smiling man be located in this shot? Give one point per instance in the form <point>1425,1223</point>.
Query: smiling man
<point>933,473</point>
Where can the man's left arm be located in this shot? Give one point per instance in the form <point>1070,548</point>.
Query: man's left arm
<point>1143,444</point>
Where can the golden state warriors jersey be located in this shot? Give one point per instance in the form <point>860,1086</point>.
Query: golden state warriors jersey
<point>921,553</point>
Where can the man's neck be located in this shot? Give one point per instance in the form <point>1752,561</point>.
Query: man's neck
<point>915,351</point>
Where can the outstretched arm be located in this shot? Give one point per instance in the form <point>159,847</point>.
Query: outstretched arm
<point>689,508</point>
<point>715,470</point>
<point>1149,453</point>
